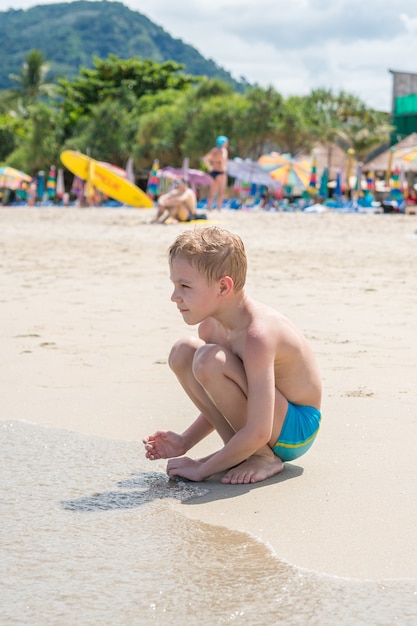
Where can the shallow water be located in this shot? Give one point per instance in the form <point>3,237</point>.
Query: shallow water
<point>90,537</point>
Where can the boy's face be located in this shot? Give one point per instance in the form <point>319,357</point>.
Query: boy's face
<point>195,298</point>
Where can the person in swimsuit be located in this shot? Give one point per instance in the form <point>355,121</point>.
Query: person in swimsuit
<point>216,163</point>
<point>250,372</point>
<point>178,205</point>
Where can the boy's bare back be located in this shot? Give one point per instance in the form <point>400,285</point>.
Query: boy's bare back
<point>296,371</point>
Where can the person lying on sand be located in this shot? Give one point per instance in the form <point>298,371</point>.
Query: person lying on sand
<point>251,373</point>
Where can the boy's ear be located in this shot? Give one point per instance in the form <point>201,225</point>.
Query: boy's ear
<point>226,285</point>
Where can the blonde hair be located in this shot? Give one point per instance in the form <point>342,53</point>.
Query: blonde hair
<point>215,252</point>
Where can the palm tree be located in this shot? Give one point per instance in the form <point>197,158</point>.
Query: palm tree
<point>32,78</point>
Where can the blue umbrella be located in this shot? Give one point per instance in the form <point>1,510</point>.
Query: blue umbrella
<point>338,188</point>
<point>40,191</point>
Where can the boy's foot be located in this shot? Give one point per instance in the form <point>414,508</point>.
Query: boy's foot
<point>254,470</point>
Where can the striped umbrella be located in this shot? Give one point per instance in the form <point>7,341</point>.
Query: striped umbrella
<point>51,182</point>
<point>153,180</point>
<point>292,173</point>
<point>370,181</point>
<point>271,161</point>
<point>396,185</point>
<point>312,188</point>
<point>12,178</point>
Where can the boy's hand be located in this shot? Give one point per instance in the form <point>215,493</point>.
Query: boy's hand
<point>185,468</point>
<point>163,445</point>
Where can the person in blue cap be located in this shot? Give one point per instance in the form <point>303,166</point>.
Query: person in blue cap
<point>216,163</point>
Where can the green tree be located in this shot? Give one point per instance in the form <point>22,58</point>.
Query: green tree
<point>184,125</point>
<point>344,119</point>
<point>40,144</point>
<point>106,134</point>
<point>160,135</point>
<point>257,125</point>
<point>366,130</point>
<point>11,126</point>
<point>293,132</point>
<point>122,80</point>
<point>32,83</point>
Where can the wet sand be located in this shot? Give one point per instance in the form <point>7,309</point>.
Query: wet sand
<point>87,325</point>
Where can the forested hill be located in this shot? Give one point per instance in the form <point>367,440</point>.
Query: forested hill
<point>70,34</point>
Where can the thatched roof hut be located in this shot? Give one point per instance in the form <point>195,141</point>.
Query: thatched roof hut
<point>380,164</point>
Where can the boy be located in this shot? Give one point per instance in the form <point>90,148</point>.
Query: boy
<point>251,373</point>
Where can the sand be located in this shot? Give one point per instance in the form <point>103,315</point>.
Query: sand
<point>87,323</point>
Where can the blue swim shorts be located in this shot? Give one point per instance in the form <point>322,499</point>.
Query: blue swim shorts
<point>300,428</point>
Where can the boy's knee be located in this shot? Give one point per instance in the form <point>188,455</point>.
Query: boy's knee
<point>181,354</point>
<point>206,361</point>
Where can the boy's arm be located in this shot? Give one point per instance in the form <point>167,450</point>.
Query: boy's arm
<point>167,444</point>
<point>197,431</point>
<point>260,414</point>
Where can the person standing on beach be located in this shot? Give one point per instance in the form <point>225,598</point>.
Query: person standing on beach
<point>216,163</point>
<point>250,372</point>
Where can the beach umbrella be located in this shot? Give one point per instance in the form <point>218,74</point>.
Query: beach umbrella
<point>77,188</point>
<point>271,161</point>
<point>12,178</point>
<point>194,177</point>
<point>396,185</point>
<point>60,185</point>
<point>292,173</point>
<point>338,191</point>
<point>249,171</point>
<point>370,181</point>
<point>312,187</point>
<point>40,190</point>
<point>324,182</point>
<point>153,180</point>
<point>51,183</point>
<point>357,187</point>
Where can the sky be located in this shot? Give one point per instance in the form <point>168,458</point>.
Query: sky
<point>294,46</point>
